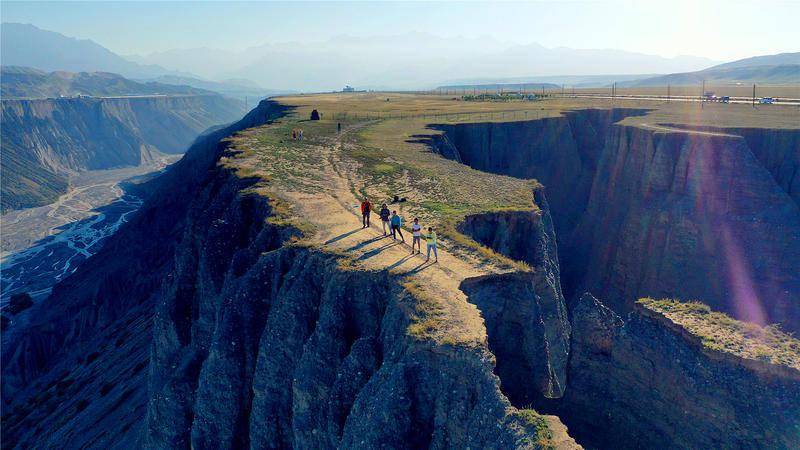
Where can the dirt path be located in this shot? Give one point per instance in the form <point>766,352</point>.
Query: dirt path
<point>335,212</point>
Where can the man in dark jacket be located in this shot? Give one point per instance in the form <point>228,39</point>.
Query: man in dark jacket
<point>385,217</point>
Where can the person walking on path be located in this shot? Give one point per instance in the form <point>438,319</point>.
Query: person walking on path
<point>366,208</point>
<point>430,238</point>
<point>339,127</point>
<point>397,222</point>
<point>300,135</point>
<point>416,232</point>
<point>385,218</point>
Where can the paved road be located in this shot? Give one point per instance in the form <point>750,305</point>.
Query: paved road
<point>787,102</point>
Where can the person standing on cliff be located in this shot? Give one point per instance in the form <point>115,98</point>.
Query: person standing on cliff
<point>397,222</point>
<point>385,218</point>
<point>430,238</point>
<point>416,232</point>
<point>366,208</point>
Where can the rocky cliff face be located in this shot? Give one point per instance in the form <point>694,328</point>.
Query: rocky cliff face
<point>645,213</point>
<point>253,342</point>
<point>297,353</point>
<point>643,382</point>
<point>97,305</point>
<point>525,312</point>
<point>50,138</point>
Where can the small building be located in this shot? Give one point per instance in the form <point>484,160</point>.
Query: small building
<point>348,88</point>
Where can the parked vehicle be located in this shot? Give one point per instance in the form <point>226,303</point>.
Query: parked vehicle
<point>766,101</point>
<point>725,99</point>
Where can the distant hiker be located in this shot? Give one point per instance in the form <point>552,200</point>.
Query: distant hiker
<point>300,135</point>
<point>416,232</point>
<point>366,208</point>
<point>315,115</point>
<point>397,222</point>
<point>294,135</point>
<point>385,218</point>
<point>339,127</point>
<point>431,239</point>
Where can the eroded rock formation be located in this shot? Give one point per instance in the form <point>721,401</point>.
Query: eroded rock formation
<point>641,212</point>
<point>45,140</point>
<point>644,382</point>
<point>253,342</point>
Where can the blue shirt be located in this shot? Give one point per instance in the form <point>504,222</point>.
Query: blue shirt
<point>396,221</point>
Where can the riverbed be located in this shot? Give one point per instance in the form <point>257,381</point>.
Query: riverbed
<point>41,246</point>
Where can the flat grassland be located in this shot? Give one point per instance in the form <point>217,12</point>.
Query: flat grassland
<point>385,139</point>
<point>382,152</point>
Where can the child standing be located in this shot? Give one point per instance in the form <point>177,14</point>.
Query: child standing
<point>397,222</point>
<point>431,240</point>
<point>416,231</point>
<point>385,218</point>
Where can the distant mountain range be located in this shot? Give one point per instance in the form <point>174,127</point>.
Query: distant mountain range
<point>408,61</point>
<point>28,46</point>
<point>783,68</point>
<point>26,82</point>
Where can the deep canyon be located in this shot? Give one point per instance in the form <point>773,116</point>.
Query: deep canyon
<point>45,141</point>
<point>206,322</point>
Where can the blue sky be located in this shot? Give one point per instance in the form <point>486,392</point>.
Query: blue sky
<point>719,30</point>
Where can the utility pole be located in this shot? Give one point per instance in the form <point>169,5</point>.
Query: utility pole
<point>668,93</point>
<point>703,95</point>
<point>754,95</point>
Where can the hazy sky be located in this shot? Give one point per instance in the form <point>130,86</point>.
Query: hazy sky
<point>721,30</point>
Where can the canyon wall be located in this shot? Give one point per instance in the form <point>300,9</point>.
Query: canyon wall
<point>97,305</point>
<point>641,213</point>
<point>641,381</point>
<point>525,312</point>
<point>235,338</point>
<point>45,140</point>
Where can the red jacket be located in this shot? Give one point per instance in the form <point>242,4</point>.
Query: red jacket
<point>366,207</point>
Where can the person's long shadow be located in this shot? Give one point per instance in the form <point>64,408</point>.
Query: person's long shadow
<point>365,243</point>
<point>375,251</point>
<point>420,267</point>
<point>343,235</point>
<point>399,262</point>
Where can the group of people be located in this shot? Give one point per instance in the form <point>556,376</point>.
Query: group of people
<point>394,222</point>
<point>297,134</point>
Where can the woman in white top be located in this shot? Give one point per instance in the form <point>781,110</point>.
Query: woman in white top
<point>416,230</point>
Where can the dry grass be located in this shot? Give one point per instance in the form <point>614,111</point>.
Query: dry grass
<point>428,316</point>
<point>537,423</point>
<point>718,331</point>
<point>449,109</point>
